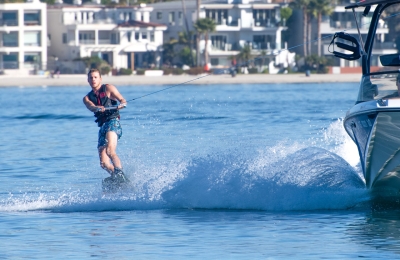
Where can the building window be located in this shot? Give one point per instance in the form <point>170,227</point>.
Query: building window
<point>171,18</point>
<point>265,18</point>
<point>9,19</point>
<point>136,36</point>
<point>180,18</point>
<point>10,39</point>
<point>129,35</point>
<point>86,37</point>
<point>64,38</point>
<point>10,61</point>
<point>214,61</point>
<point>218,42</point>
<point>32,18</point>
<point>152,37</point>
<point>115,38</point>
<point>144,36</point>
<point>219,16</point>
<point>259,42</point>
<point>159,15</point>
<point>32,57</point>
<point>31,38</point>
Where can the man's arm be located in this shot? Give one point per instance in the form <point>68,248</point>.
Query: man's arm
<point>89,105</point>
<point>114,94</point>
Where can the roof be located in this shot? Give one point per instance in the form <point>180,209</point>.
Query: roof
<point>371,2</point>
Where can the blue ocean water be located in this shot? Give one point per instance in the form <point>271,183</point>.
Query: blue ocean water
<point>261,171</point>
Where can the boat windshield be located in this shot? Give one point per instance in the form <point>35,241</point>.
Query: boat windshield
<point>382,86</point>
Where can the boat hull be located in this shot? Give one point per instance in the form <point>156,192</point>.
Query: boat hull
<point>375,128</point>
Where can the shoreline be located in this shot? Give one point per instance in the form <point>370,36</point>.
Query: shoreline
<point>206,79</point>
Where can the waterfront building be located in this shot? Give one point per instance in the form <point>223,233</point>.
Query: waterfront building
<point>23,37</point>
<point>123,36</point>
<point>238,23</point>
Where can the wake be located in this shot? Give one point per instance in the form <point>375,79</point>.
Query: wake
<point>284,177</point>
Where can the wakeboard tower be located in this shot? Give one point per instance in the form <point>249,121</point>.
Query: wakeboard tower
<point>373,122</point>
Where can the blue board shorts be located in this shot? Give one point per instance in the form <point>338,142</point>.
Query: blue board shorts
<point>112,125</point>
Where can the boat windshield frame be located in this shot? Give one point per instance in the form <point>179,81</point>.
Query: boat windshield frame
<point>377,82</point>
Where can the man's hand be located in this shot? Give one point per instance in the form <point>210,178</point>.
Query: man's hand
<point>100,109</point>
<point>122,105</point>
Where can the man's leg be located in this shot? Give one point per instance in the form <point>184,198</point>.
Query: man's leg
<point>111,147</point>
<point>105,162</point>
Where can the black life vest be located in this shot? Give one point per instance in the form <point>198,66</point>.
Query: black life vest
<point>101,99</point>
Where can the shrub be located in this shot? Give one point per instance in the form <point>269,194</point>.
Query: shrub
<point>123,71</point>
<point>105,70</point>
<point>252,70</point>
<point>140,72</point>
<point>167,71</point>
<point>195,71</point>
<point>177,71</point>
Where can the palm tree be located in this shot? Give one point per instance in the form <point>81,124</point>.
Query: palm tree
<point>186,40</point>
<point>198,4</point>
<point>188,33</point>
<point>169,52</point>
<point>203,27</point>
<point>244,55</point>
<point>320,8</point>
<point>303,5</point>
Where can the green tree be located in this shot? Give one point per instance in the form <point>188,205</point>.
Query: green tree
<point>244,55</point>
<point>317,64</point>
<point>205,26</point>
<point>286,13</point>
<point>320,8</point>
<point>187,41</point>
<point>169,52</point>
<point>186,55</point>
<point>94,62</point>
<point>49,2</point>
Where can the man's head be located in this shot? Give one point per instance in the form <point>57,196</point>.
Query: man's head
<point>94,78</point>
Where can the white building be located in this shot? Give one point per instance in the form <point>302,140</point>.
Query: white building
<point>23,32</point>
<point>239,22</point>
<point>122,36</point>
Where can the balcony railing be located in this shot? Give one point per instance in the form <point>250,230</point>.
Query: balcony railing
<point>384,45</point>
<point>8,22</point>
<point>9,44</point>
<point>105,41</point>
<point>8,65</point>
<point>270,23</point>
<point>32,44</point>
<point>31,23</point>
<point>86,41</point>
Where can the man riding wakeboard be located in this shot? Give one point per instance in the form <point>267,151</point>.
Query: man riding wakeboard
<point>103,100</point>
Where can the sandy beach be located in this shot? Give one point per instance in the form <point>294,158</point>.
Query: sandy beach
<point>80,80</point>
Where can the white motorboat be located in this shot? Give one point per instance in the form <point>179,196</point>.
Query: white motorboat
<point>374,121</point>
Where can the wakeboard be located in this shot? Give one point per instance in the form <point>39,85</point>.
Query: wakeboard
<point>115,183</point>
